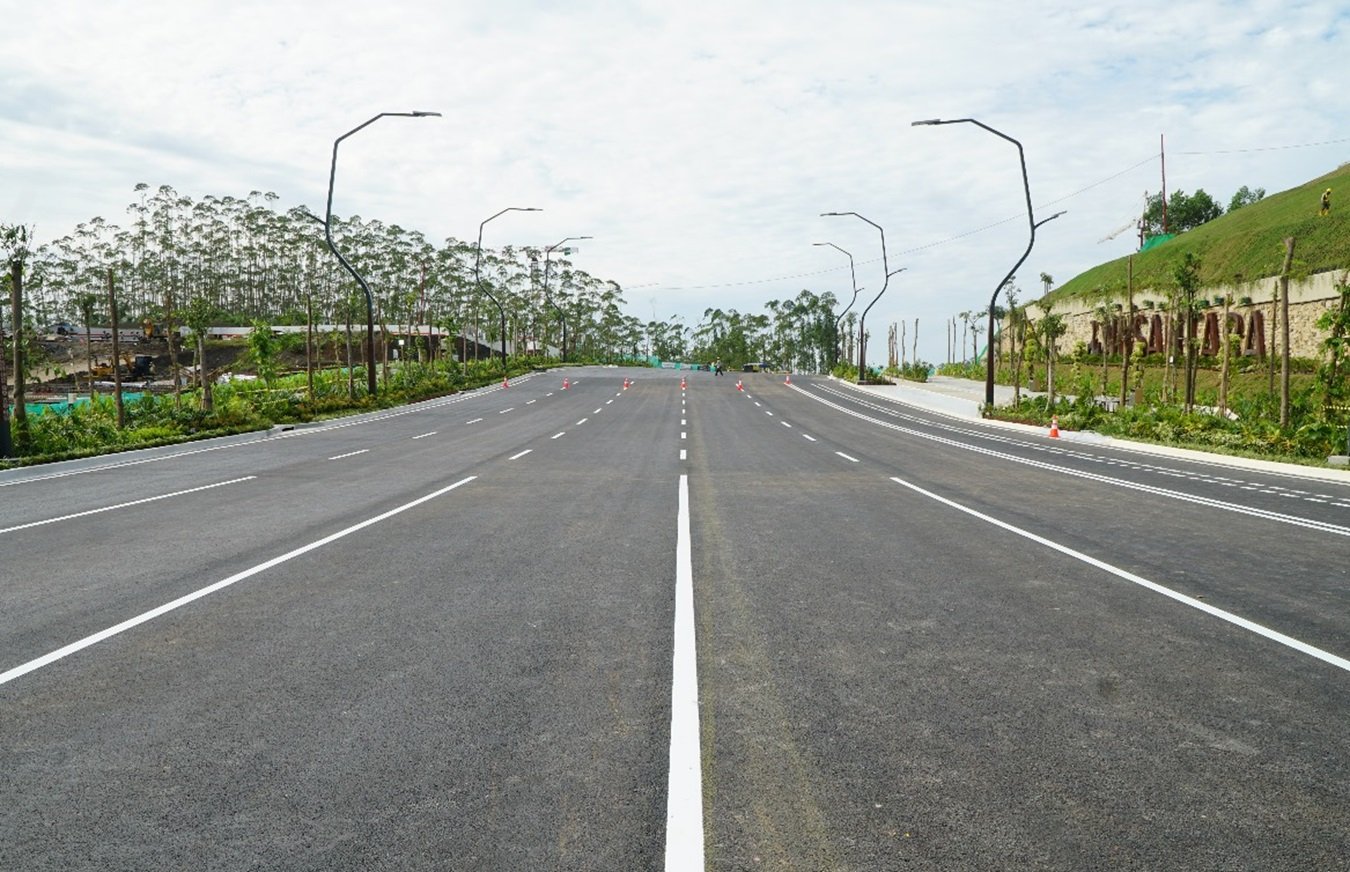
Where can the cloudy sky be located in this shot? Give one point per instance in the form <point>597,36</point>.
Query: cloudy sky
<point>696,141</point>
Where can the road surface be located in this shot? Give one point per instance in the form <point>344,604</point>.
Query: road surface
<point>793,626</point>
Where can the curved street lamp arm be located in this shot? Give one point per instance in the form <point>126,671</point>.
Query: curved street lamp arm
<point>1032,224</point>
<point>548,298</point>
<point>328,237</point>
<point>853,274</point>
<point>883,290</point>
<point>477,265</point>
<point>885,266</point>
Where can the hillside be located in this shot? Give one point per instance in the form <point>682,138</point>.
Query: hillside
<point>1249,242</point>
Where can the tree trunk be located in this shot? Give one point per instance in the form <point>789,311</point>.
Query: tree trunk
<point>1050,371</point>
<point>16,319</point>
<point>1274,324</point>
<point>6,446</point>
<point>351,376</point>
<point>1223,372</point>
<point>309,344</point>
<point>1127,341</point>
<point>1188,332</point>
<point>171,337</point>
<point>116,353</point>
<point>89,349</point>
<point>1284,332</point>
<point>208,403</point>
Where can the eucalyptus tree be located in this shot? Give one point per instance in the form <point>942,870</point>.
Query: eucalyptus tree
<point>16,248</point>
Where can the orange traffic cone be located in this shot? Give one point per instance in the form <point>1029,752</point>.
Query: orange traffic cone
<point>1054,426</point>
<point>739,386</point>
<point>505,383</point>
<point>565,384</point>
<point>682,383</point>
<point>625,383</point>
<point>787,379</point>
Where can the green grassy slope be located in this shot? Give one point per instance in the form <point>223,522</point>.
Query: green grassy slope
<point>1249,242</point>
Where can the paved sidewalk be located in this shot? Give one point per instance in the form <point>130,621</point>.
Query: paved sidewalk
<point>962,398</point>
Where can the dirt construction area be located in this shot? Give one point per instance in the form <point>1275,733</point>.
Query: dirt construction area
<point>62,365</point>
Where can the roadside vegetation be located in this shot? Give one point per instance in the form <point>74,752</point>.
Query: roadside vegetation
<point>1232,400</point>
<point>180,267</point>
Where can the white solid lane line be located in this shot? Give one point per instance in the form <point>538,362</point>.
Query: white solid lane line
<point>520,455</point>
<point>1294,520</point>
<point>52,657</point>
<point>191,490</point>
<point>1260,630</point>
<point>349,454</point>
<point>684,793</point>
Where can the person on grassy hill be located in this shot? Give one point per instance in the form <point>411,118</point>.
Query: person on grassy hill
<point>1326,202</point>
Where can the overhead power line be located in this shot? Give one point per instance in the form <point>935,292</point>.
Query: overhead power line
<point>1270,147</point>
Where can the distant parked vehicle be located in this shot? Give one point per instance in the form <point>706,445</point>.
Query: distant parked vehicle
<point>60,328</point>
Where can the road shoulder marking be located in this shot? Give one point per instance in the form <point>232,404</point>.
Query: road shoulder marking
<point>71,517</point>
<point>1251,626</point>
<point>102,635</point>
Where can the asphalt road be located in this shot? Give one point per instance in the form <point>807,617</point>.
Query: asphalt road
<point>447,637</point>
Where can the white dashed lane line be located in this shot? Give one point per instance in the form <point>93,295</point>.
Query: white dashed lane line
<point>558,435</point>
<point>808,437</point>
<point>846,457</point>
<point>349,454</point>
<point>520,455</point>
<point>1196,476</point>
<point>474,421</point>
<point>424,435</point>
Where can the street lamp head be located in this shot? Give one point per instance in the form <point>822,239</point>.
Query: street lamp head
<point>925,121</point>
<point>827,214</point>
<point>418,113</point>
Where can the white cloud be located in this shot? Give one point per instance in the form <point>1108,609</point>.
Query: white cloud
<point>697,142</point>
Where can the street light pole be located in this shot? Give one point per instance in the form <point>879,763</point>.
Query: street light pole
<point>478,282</point>
<point>561,315</point>
<point>862,322</point>
<point>328,236</point>
<point>834,354</point>
<point>1032,224</point>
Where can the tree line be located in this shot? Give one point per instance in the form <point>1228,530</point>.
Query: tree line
<point>237,261</point>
